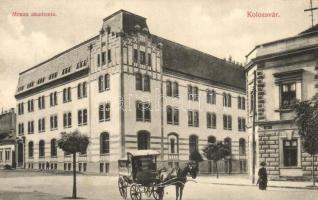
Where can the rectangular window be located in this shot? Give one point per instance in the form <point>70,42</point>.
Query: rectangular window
<point>193,118</point>
<point>98,60</point>
<point>67,120</point>
<point>8,155</point>
<point>142,57</point>
<point>109,55</point>
<point>190,118</point>
<point>82,117</point>
<point>30,106</point>
<point>227,122</point>
<point>53,122</point>
<point>135,56</point>
<point>149,60</point>
<point>241,124</point>
<point>104,112</point>
<point>30,127</point>
<point>211,120</point>
<point>143,111</point>
<point>290,152</point>
<point>41,125</point>
<point>288,95</point>
<point>103,58</point>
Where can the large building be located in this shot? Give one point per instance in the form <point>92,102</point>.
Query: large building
<point>7,138</point>
<point>129,89</point>
<point>281,72</point>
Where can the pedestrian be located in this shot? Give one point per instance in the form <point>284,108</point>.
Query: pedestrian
<point>47,165</point>
<point>262,177</point>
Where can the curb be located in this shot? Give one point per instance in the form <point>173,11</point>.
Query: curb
<point>271,186</point>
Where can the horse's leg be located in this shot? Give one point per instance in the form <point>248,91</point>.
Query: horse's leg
<point>177,192</point>
<point>181,190</point>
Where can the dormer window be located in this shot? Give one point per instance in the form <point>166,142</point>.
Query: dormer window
<point>52,76</point>
<point>66,70</point>
<point>30,84</point>
<point>41,80</point>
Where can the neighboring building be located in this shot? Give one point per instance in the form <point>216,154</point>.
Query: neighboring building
<point>128,89</point>
<point>286,71</point>
<point>7,138</point>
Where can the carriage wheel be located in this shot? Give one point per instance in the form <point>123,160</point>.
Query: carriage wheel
<point>122,186</point>
<point>135,192</point>
<point>148,191</point>
<point>158,193</point>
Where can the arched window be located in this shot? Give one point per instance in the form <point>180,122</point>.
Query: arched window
<point>100,83</point>
<point>211,139</point>
<point>53,148</point>
<point>193,143</point>
<point>41,149</point>
<point>143,140</point>
<point>104,143</point>
<point>173,143</point>
<point>242,147</point>
<point>138,81</point>
<point>228,142</point>
<point>146,83</point>
<point>107,81</point>
<point>169,89</point>
<point>31,149</point>
<point>175,89</point>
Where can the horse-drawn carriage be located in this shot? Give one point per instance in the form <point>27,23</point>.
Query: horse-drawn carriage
<point>139,173</point>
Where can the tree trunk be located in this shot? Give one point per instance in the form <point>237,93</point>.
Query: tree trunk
<point>313,170</point>
<point>216,169</point>
<point>74,196</point>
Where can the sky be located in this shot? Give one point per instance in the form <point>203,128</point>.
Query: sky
<point>217,27</point>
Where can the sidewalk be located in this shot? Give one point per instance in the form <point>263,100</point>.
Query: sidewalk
<point>245,181</point>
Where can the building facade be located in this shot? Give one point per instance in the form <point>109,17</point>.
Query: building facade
<point>284,71</point>
<point>7,138</point>
<point>128,89</point>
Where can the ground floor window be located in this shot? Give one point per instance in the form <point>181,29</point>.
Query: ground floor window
<point>8,155</point>
<point>104,168</point>
<point>290,153</point>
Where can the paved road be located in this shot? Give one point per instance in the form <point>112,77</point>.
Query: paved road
<point>104,188</point>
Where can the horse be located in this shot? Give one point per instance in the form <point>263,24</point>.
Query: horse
<point>178,176</point>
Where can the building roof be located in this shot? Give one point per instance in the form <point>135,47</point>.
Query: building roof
<point>177,58</point>
<point>311,29</point>
<point>181,59</point>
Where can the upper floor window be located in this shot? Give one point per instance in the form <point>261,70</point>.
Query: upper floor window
<point>82,90</point>
<point>98,60</point>
<point>241,102</point>
<point>52,76</point>
<point>227,122</point>
<point>288,94</point>
<point>41,125</point>
<point>67,95</point>
<point>143,111</point>
<point>142,57</point>
<point>211,97</point>
<point>53,122</point>
<point>135,58</point>
<point>109,55</point>
<point>172,89</point>
<point>21,128</point>
<point>149,60</point>
<point>104,112</point>
<point>67,120</point>
<point>193,93</point>
<point>227,100</point>
<point>53,99</point>
<point>289,85</point>
<point>82,117</point>
<point>29,85</point>
<point>41,102</point>
<point>211,120</point>
<point>241,124</point>
<point>103,58</point>
<point>20,108</point>
<point>30,127</point>
<point>41,80</point>
<point>169,88</point>
<point>172,115</point>
<point>30,106</point>
<point>66,70</point>
<point>103,82</point>
<point>142,82</point>
<point>193,118</point>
